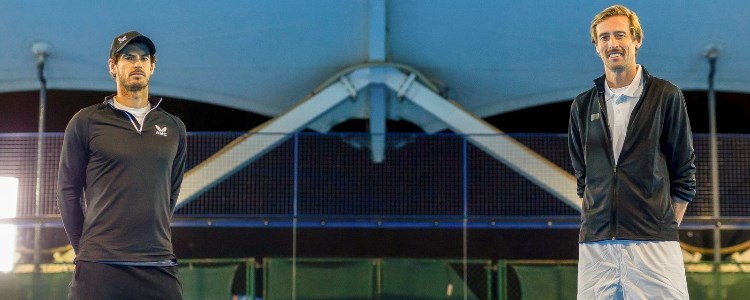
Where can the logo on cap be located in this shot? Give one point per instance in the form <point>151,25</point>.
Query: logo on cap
<point>122,39</point>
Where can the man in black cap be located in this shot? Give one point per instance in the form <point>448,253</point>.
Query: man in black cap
<point>121,169</point>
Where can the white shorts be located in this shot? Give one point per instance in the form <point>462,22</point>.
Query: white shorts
<point>620,269</point>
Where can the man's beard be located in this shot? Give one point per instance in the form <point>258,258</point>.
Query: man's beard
<point>618,68</point>
<point>134,86</point>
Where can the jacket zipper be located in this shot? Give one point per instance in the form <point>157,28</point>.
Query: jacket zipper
<point>613,207</point>
<point>132,118</point>
<point>132,121</point>
<point>614,202</point>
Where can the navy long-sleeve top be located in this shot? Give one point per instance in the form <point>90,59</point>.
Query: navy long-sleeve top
<point>119,181</point>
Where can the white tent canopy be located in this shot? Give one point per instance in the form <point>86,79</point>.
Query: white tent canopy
<point>265,56</point>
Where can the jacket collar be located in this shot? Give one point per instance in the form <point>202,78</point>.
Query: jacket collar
<point>155,101</point>
<point>599,82</point>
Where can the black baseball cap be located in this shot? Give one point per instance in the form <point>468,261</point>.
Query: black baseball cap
<point>124,39</point>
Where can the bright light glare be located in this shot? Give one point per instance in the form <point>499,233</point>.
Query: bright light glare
<point>8,206</point>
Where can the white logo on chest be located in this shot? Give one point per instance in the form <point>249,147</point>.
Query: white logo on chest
<point>161,131</point>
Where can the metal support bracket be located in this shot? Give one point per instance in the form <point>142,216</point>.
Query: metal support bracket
<point>405,86</point>
<point>349,87</point>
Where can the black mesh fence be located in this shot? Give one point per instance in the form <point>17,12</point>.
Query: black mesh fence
<point>336,176</point>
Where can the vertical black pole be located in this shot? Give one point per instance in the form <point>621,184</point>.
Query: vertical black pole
<point>40,51</point>
<point>712,55</point>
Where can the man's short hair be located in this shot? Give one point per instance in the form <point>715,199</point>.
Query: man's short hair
<point>618,10</point>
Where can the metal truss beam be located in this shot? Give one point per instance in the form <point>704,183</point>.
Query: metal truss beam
<point>378,93</point>
<point>262,139</point>
<point>505,149</point>
<point>258,141</point>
